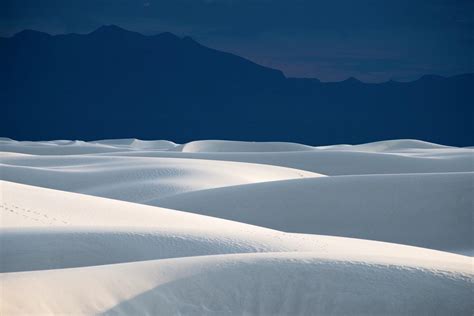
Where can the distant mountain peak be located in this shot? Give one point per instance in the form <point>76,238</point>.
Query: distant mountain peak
<point>352,80</point>
<point>131,81</point>
<point>30,34</point>
<point>111,29</point>
<point>167,36</point>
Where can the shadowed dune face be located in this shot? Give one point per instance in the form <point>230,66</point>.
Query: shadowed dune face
<point>251,285</point>
<point>222,227</point>
<point>232,284</point>
<point>388,208</point>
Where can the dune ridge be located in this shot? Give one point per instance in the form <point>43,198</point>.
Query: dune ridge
<point>126,226</point>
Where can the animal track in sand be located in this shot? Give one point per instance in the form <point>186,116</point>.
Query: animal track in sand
<point>30,214</point>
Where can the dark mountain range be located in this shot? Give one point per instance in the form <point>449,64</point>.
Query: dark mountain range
<point>115,83</point>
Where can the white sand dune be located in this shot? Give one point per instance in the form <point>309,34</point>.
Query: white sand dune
<point>50,229</point>
<point>385,157</point>
<point>83,231</point>
<point>427,210</point>
<point>395,145</point>
<point>136,179</point>
<point>133,143</point>
<point>344,160</point>
<point>46,229</point>
<point>58,147</point>
<point>264,284</point>
<point>210,146</point>
<point>244,230</point>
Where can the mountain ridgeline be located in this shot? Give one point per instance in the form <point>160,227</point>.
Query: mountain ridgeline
<point>114,83</point>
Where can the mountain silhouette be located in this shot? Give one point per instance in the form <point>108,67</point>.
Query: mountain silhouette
<point>114,83</point>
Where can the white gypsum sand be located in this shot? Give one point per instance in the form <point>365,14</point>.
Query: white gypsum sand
<point>226,228</point>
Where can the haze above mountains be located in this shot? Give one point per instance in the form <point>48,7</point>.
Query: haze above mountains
<point>115,83</point>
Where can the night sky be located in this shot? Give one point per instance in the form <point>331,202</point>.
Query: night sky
<point>331,40</point>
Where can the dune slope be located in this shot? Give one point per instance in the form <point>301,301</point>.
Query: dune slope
<point>206,265</point>
<point>427,210</point>
<point>236,284</point>
<point>136,179</point>
<point>232,228</point>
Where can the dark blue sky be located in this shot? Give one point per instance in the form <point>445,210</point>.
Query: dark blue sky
<point>369,39</point>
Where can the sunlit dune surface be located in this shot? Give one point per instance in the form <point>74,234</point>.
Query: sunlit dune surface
<point>135,227</point>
